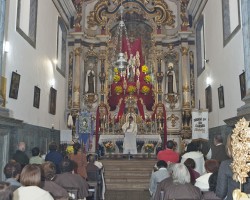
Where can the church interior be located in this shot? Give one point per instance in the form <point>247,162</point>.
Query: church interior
<point>78,70</point>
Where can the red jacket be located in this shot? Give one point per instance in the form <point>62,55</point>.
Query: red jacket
<point>168,155</point>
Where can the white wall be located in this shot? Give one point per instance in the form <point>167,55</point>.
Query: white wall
<point>36,68</point>
<point>224,66</point>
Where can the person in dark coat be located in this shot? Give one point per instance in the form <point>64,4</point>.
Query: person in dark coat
<point>225,183</point>
<point>67,179</point>
<point>48,183</point>
<point>20,155</point>
<point>219,149</point>
<point>54,156</point>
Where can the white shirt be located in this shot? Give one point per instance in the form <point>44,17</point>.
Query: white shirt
<point>31,193</point>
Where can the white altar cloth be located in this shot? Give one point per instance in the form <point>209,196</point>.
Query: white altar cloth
<point>144,138</point>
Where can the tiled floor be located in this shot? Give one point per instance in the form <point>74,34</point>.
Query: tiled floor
<point>127,195</point>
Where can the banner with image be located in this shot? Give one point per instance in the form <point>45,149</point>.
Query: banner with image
<point>200,124</point>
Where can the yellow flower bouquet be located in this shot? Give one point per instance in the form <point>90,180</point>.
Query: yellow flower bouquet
<point>118,89</point>
<point>145,89</point>
<point>147,78</point>
<point>144,69</point>
<point>149,148</point>
<point>70,149</point>
<point>116,78</point>
<point>116,70</point>
<point>110,146</point>
<point>131,89</point>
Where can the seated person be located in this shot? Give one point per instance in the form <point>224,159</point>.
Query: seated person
<point>130,132</point>
<point>190,164</point>
<point>36,159</point>
<point>177,186</point>
<point>197,156</point>
<point>6,193</point>
<point>67,179</point>
<point>169,155</point>
<point>48,184</point>
<point>212,187</point>
<point>158,176</point>
<point>96,162</point>
<point>12,171</point>
<point>30,179</point>
<point>211,166</point>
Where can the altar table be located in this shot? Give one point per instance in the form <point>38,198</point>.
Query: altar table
<point>156,139</point>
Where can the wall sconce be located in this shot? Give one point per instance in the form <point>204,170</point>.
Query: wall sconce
<point>52,82</point>
<point>208,81</point>
<point>206,60</point>
<point>6,47</point>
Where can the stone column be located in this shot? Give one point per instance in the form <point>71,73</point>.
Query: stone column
<point>245,7</point>
<point>77,74</point>
<point>2,26</point>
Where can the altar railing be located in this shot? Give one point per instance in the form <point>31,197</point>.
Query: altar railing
<point>141,140</point>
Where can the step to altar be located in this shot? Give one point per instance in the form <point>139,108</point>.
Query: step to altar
<point>136,156</point>
<point>124,174</point>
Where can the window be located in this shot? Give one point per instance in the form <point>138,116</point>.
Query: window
<point>26,20</point>
<point>231,19</point>
<point>200,46</point>
<point>61,46</point>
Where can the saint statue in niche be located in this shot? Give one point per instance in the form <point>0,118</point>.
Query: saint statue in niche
<point>90,79</point>
<point>171,81</point>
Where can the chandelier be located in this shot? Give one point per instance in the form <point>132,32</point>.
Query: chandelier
<point>121,63</point>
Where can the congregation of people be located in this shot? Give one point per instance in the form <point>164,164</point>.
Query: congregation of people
<point>195,174</point>
<point>54,176</point>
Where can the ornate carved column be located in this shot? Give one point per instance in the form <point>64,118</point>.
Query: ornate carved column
<point>186,102</point>
<point>76,98</point>
<point>102,74</point>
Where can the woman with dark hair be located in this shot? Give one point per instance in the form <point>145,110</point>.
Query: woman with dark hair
<point>190,164</point>
<point>80,160</point>
<point>30,190</point>
<point>36,159</point>
<point>48,184</point>
<point>6,192</point>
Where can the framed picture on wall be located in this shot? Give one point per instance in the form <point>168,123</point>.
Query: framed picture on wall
<point>242,78</point>
<point>36,100</point>
<point>52,101</point>
<point>14,85</point>
<point>221,97</point>
<point>208,96</point>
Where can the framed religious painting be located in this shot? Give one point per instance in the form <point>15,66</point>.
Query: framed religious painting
<point>221,97</point>
<point>36,100</point>
<point>52,101</point>
<point>14,85</point>
<point>208,96</point>
<point>242,79</point>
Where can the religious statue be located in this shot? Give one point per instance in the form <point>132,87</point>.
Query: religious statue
<point>130,132</point>
<point>171,81</point>
<point>90,79</point>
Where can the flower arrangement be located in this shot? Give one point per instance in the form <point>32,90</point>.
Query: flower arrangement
<point>118,89</point>
<point>145,89</point>
<point>149,148</point>
<point>144,69</point>
<point>131,89</point>
<point>147,78</point>
<point>116,70</point>
<point>110,146</point>
<point>116,78</point>
<point>69,149</point>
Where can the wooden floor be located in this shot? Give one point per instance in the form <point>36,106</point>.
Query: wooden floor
<point>127,195</point>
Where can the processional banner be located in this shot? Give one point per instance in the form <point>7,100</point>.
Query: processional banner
<point>200,124</point>
<point>85,129</point>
